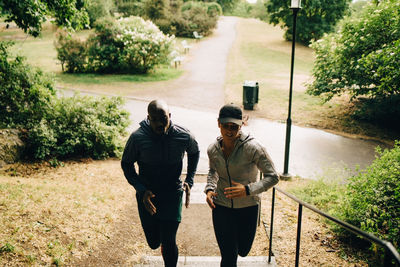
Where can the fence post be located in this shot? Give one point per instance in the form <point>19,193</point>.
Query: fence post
<point>298,234</point>
<point>271,225</point>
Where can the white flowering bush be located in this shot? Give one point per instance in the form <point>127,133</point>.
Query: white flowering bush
<point>128,45</point>
<point>363,57</point>
<point>144,45</point>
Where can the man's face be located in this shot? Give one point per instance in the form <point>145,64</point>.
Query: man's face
<point>159,121</point>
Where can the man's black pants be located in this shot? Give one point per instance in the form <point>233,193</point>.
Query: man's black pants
<point>159,232</point>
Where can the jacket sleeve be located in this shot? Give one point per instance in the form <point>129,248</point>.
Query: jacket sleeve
<point>212,177</point>
<point>193,156</point>
<point>266,166</point>
<point>129,157</point>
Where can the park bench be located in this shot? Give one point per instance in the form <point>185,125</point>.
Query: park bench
<point>176,58</point>
<point>185,46</point>
<point>197,36</point>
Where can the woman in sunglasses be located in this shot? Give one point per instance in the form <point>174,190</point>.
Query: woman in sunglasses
<point>233,185</point>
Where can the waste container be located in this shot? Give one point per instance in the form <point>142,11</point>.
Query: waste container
<point>250,94</point>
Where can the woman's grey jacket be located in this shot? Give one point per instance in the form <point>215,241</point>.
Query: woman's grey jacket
<point>241,166</point>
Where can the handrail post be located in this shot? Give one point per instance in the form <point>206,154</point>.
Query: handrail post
<point>271,225</point>
<point>298,234</point>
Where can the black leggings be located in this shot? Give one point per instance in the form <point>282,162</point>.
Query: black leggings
<point>160,232</point>
<point>235,230</point>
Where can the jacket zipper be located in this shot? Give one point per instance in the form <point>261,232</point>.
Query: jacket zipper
<point>229,176</point>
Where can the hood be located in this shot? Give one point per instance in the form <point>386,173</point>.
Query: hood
<point>145,125</point>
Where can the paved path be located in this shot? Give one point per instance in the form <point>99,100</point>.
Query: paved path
<point>201,87</point>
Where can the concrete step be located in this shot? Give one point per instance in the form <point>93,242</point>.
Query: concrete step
<point>208,261</point>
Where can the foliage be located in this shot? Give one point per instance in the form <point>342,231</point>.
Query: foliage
<point>174,17</point>
<point>372,199</point>
<point>71,51</point>
<point>200,17</point>
<point>227,5</point>
<point>57,127</point>
<point>381,111</point>
<point>245,9</point>
<point>314,19</point>
<point>363,57</point>
<point>29,15</point>
<point>25,92</point>
<point>98,9</point>
<point>129,45</point>
<point>242,9</point>
<point>80,126</point>
<point>131,8</point>
<point>157,9</point>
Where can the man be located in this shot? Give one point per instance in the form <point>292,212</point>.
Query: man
<point>158,148</point>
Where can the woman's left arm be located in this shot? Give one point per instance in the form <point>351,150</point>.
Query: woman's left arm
<point>266,166</point>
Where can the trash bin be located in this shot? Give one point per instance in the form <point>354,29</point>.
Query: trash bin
<point>250,94</point>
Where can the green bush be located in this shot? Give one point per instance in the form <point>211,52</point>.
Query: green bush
<point>104,48</point>
<point>363,57</point>
<point>25,92</point>
<point>72,52</point>
<point>196,13</point>
<point>79,126</point>
<point>372,198</point>
<point>98,9</point>
<point>131,8</point>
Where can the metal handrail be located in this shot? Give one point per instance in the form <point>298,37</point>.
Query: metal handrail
<point>390,250</point>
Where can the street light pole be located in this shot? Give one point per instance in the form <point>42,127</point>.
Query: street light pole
<point>295,6</point>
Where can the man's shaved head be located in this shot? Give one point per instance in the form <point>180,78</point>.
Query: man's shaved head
<point>157,104</point>
<point>159,116</point>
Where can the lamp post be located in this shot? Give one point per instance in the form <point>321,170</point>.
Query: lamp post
<point>295,7</point>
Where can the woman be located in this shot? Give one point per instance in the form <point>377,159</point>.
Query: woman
<point>233,186</point>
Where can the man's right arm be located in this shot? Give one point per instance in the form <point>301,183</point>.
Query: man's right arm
<point>129,157</point>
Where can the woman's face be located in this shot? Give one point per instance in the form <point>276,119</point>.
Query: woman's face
<point>229,131</point>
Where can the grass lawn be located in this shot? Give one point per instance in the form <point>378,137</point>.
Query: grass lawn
<point>40,52</point>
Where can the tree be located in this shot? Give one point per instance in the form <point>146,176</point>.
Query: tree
<point>227,5</point>
<point>363,57</point>
<point>314,19</point>
<point>29,15</point>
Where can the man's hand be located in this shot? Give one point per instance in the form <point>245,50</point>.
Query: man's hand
<point>147,202</point>
<point>186,188</point>
<point>236,191</point>
<point>210,199</point>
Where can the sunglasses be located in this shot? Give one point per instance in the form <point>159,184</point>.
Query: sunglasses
<point>231,127</point>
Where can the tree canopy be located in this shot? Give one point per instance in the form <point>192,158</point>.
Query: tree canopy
<point>314,19</point>
<point>362,57</point>
<point>29,15</point>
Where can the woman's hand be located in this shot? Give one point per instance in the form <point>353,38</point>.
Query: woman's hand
<point>210,199</point>
<point>147,202</point>
<point>236,191</point>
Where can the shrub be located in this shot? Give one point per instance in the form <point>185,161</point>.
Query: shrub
<point>363,57</point>
<point>98,9</point>
<point>79,126</point>
<point>196,13</point>
<point>129,45</point>
<point>25,92</point>
<point>104,48</point>
<point>372,199</point>
<point>57,127</point>
<point>71,51</point>
<point>131,8</point>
